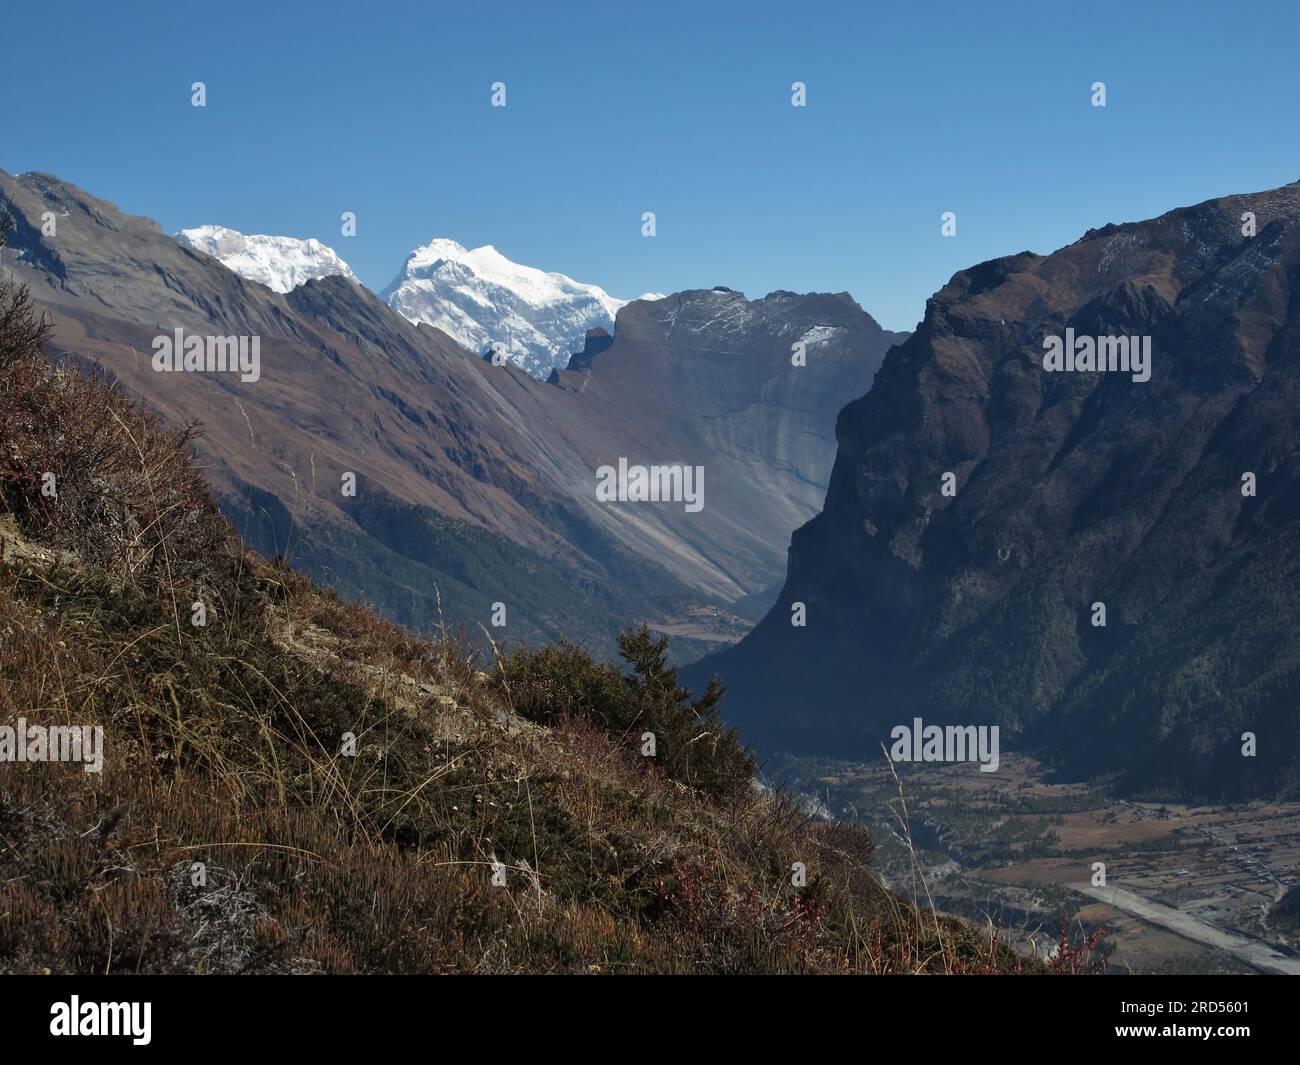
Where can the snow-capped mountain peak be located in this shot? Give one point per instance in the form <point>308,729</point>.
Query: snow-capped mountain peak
<point>482,299</point>
<point>279,263</point>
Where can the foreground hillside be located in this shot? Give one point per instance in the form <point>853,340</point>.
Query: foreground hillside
<point>1171,501</point>
<point>292,785</point>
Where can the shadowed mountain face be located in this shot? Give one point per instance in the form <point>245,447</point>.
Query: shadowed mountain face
<point>1071,489</point>
<point>475,484</point>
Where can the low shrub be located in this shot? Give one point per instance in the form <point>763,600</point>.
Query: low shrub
<point>636,707</point>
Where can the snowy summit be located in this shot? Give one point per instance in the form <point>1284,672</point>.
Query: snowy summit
<point>481,299</point>
<point>279,263</point>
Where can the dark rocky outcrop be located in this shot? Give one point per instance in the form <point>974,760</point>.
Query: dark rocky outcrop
<point>1072,488</point>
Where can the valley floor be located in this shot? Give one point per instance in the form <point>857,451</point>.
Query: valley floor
<point>1188,887</point>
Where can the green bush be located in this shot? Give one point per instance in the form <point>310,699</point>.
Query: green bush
<point>692,746</point>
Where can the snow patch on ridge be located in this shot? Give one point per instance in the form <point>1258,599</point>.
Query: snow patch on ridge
<point>820,334</point>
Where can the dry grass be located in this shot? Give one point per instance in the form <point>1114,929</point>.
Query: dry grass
<point>224,746</point>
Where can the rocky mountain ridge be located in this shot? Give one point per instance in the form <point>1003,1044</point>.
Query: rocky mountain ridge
<point>981,508</point>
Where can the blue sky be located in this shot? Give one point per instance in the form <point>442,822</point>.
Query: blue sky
<point>682,109</point>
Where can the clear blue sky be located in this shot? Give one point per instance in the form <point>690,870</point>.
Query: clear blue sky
<point>681,109</point>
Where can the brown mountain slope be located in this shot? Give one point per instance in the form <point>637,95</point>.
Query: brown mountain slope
<point>447,447</point>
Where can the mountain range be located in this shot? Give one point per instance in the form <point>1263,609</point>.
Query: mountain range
<point>475,484</point>
<point>1098,563</point>
<point>531,318</point>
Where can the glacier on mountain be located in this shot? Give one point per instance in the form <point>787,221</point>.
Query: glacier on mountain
<point>279,263</point>
<point>487,302</point>
<point>478,297</point>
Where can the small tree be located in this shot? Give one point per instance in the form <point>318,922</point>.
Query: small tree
<point>22,331</point>
<point>694,745</point>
